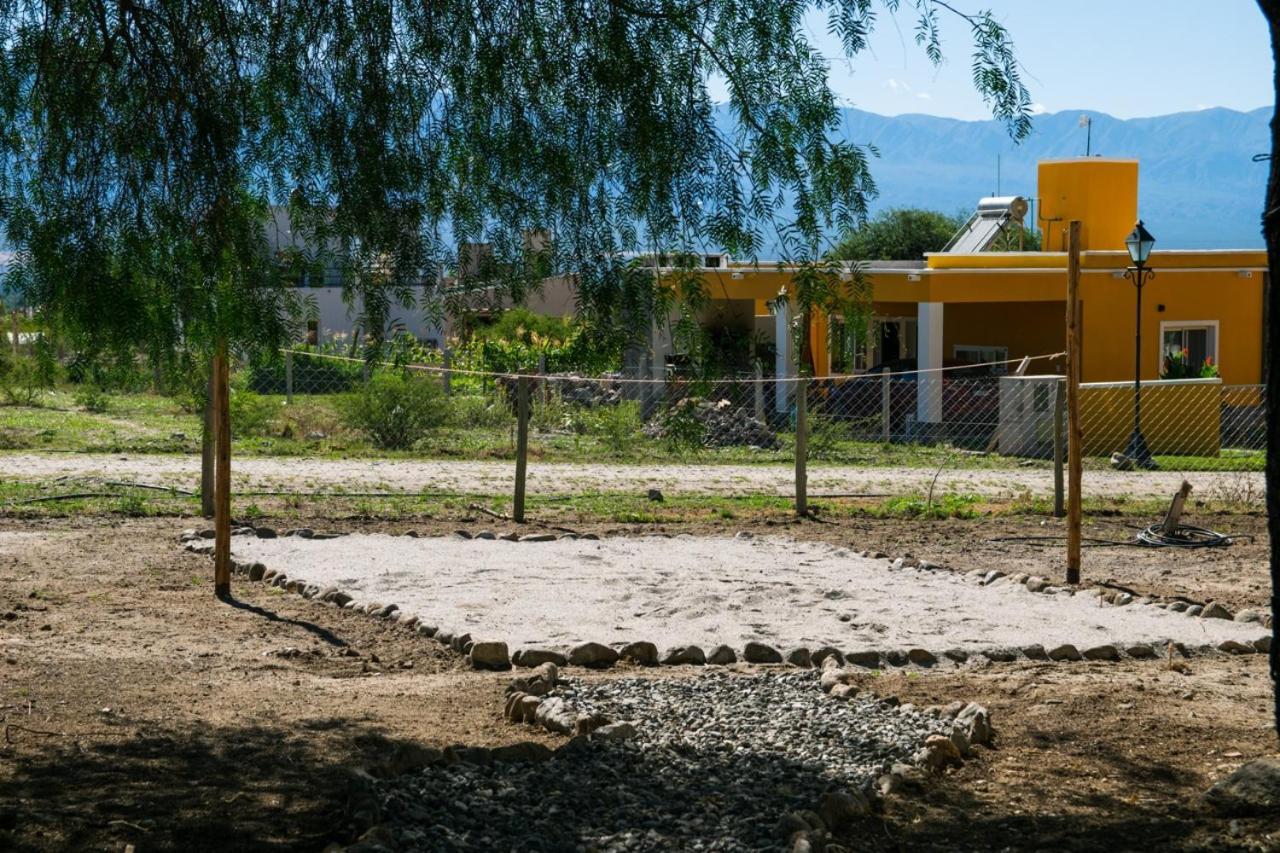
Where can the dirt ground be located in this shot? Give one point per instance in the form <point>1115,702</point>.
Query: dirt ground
<point>138,710</point>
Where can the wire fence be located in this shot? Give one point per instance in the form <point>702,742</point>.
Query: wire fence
<point>1000,416</point>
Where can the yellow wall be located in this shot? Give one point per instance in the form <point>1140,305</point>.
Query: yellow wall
<point>1181,419</point>
<point>1026,328</point>
<point>1101,193</point>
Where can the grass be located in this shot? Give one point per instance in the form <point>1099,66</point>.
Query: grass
<point>311,426</point>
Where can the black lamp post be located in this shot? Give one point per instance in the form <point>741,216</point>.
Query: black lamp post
<point>1139,244</point>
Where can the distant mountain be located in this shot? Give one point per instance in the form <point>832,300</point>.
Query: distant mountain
<point>1198,187</point>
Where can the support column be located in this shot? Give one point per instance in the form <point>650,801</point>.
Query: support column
<point>929,357</point>
<point>785,361</point>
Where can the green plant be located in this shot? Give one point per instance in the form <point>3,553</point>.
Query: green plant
<point>681,429</point>
<point>92,398</point>
<point>395,410</point>
<point>251,413</point>
<point>23,382</point>
<point>617,427</point>
<point>475,411</point>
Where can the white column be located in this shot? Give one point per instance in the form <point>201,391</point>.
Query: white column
<point>784,364</point>
<point>929,357</point>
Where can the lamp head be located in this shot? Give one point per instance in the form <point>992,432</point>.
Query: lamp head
<point>1139,244</point>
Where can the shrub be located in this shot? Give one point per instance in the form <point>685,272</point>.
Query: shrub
<point>618,427</point>
<point>395,410</point>
<point>473,411</point>
<point>251,414</point>
<point>22,381</point>
<point>92,398</point>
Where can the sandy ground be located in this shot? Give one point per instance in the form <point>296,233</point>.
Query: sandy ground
<point>303,474</point>
<point>137,710</point>
<point>706,591</point>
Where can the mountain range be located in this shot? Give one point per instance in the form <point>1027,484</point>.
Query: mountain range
<point>1198,184</point>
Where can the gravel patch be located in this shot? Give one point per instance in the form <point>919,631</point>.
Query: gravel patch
<point>715,762</point>
<point>484,478</point>
<point>705,591</point>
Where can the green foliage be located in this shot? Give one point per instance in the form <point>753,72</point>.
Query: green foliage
<point>898,234</point>
<point>683,432</point>
<point>1179,365</point>
<point>395,410</point>
<point>251,413</point>
<point>144,146</point>
<point>92,398</point>
<point>479,411</point>
<point>617,427</point>
<point>22,381</point>
<point>942,506</point>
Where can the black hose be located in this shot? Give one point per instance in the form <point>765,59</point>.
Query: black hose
<point>1183,536</point>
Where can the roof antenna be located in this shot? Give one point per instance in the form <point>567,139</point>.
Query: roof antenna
<point>1087,124</point>
<point>997,173</point>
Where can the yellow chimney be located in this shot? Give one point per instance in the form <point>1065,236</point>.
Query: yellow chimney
<point>1101,192</point>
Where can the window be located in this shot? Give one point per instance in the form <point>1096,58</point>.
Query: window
<point>1188,350</point>
<point>966,354</point>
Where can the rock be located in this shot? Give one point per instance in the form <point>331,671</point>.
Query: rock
<point>1103,652</point>
<point>842,691</point>
<point>799,657</point>
<point>529,708</point>
<point>960,740</point>
<point>539,682</point>
<point>1194,610</point>
<point>722,656</point>
<point>461,534</point>
<point>991,577</point>
<point>840,808</point>
<point>1121,462</point>
<point>488,535</point>
<point>975,721</point>
<point>555,715</point>
<point>1252,790</point>
<point>1001,655</point>
<point>655,495</point>
<point>510,537</point>
<point>1036,583</point>
<point>615,731</point>
<point>425,629</point>
<point>868,659</point>
<point>642,653</point>
<point>1263,645</point>
<point>678,655</point>
<point>526,752</point>
<point>489,655</point>
<point>937,754</point>
<point>755,652</point>
<point>821,655</point>
<point>588,723</point>
<point>266,532</point>
<point>1035,652</point>
<point>921,657</point>
<point>1177,606</point>
<point>790,824</point>
<point>257,571</point>
<point>1214,610</point>
<point>537,657</point>
<point>1066,651</point>
<point>1247,615</point>
<point>596,655</point>
<point>538,537</point>
<point>1141,651</point>
<point>831,676</point>
<point>957,655</point>
<point>384,612</point>
<point>1122,599</point>
<point>513,710</point>
<point>1234,647</point>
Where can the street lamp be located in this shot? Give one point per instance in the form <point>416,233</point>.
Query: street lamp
<point>1139,244</point>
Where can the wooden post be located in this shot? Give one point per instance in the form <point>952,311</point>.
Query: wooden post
<point>1059,456</point>
<point>802,447</point>
<point>288,376</point>
<point>222,476</point>
<point>522,445</point>
<point>758,387</point>
<point>885,379</point>
<point>206,452</point>
<point>1074,438</point>
<point>446,358</point>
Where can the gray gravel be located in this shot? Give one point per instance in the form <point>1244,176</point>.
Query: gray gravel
<point>716,762</point>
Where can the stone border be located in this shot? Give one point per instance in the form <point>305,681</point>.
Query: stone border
<point>495,654</point>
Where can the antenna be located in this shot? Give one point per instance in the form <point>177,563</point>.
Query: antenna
<point>997,173</point>
<point>1087,123</point>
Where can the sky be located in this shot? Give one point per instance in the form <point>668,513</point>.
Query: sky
<point>1127,58</point>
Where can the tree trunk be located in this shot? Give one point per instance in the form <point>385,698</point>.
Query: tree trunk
<point>1271,363</point>
<point>206,453</point>
<point>222,475</point>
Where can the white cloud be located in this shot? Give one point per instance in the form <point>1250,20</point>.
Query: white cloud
<point>924,96</point>
<point>1038,109</point>
<point>895,84</point>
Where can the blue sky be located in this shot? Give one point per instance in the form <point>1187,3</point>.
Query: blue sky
<point>1127,58</point>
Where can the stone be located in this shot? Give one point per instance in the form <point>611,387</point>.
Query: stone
<point>537,657</point>
<point>1036,583</point>
<point>840,808</point>
<point>596,655</point>
<point>266,532</point>
<point>512,709</point>
<point>1235,647</point>
<point>510,537</point>
<point>426,630</point>
<point>489,655</point>
<point>529,708</point>
<point>867,659</point>
<point>799,657</point>
<point>585,724</point>
<point>1001,655</point>
<point>937,754</point>
<point>1066,651</point>
<point>1262,645</point>
<point>538,537</point>
<point>555,715</point>
<point>642,653</point>
<point>1252,790</point>
<point>1035,652</point>
<point>1214,610</point>
<point>485,534</point>
<point>831,676</point>
<point>842,691</point>
<point>957,655</point>
<point>754,652</point>
<point>722,656</point>
<point>1194,610</point>
<point>539,682</point>
<point>615,731</point>
<point>1141,651</point>
<point>526,751</point>
<point>461,534</point>
<point>822,655</point>
<point>655,495</point>
<point>1247,615</point>
<point>991,577</point>
<point>1103,652</point>
<point>921,657</point>
<point>960,740</point>
<point>1122,599</point>
<point>790,824</point>
<point>678,655</point>
<point>257,571</point>
<point>975,721</point>
<point>1177,606</point>
<point>896,657</point>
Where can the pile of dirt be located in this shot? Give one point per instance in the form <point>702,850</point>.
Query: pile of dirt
<point>712,424</point>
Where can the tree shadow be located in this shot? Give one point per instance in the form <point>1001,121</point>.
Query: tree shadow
<point>315,630</point>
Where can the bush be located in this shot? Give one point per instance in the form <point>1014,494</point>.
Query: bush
<point>22,381</point>
<point>92,398</point>
<point>395,410</point>
<point>618,427</point>
<point>251,414</point>
<point>473,411</point>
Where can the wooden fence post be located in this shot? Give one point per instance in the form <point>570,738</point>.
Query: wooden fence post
<point>222,475</point>
<point>758,388</point>
<point>288,376</point>
<point>207,451</point>
<point>885,379</point>
<point>446,357</point>
<point>1074,509</point>
<point>522,445</point>
<point>802,447</point>
<point>1059,415</point>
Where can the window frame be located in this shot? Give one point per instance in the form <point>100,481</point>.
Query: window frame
<point>1183,325</point>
